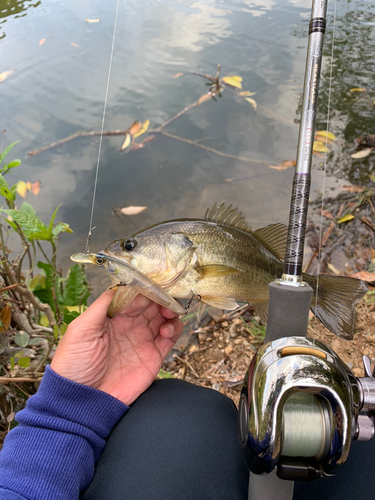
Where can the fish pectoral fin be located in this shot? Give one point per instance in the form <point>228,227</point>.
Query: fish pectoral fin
<point>216,271</point>
<point>261,310</point>
<point>122,298</point>
<point>220,302</point>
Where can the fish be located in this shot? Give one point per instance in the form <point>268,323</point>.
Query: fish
<point>123,274</point>
<point>221,260</point>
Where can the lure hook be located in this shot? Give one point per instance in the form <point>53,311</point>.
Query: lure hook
<point>88,240</point>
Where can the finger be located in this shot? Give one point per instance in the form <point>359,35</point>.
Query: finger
<point>139,304</point>
<point>169,334</point>
<point>97,312</point>
<point>167,313</point>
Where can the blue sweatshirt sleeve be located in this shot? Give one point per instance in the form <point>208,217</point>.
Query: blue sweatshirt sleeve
<point>50,455</point>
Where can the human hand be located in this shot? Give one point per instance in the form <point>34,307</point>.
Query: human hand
<point>122,355</point>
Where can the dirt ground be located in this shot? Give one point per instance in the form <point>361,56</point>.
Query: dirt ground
<point>218,355</point>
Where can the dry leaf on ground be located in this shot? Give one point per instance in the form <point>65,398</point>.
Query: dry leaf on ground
<point>364,275</point>
<point>353,189</point>
<point>362,154</point>
<point>284,165</point>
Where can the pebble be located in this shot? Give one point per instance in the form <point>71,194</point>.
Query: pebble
<point>224,324</point>
<point>228,350</point>
<point>349,365</point>
<point>216,387</point>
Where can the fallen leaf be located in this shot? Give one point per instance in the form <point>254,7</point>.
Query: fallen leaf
<point>358,89</point>
<point>246,93</point>
<point>22,189</point>
<point>228,180</point>
<point>284,165</point>
<point>325,133</point>
<point>10,417</point>
<point>177,75</point>
<point>327,214</point>
<point>364,275</point>
<point>332,268</point>
<point>126,143</point>
<point>319,147</point>
<point>74,44</point>
<point>132,210</point>
<point>5,317</point>
<point>135,127</point>
<point>323,139</point>
<point>4,75</point>
<point>204,98</point>
<point>345,218</point>
<point>41,41</point>
<point>35,187</point>
<point>92,20</point>
<point>362,154</point>
<point>252,102</point>
<point>143,129</point>
<point>233,81</point>
<point>353,189</point>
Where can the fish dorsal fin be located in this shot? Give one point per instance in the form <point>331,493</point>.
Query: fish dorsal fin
<point>273,237</point>
<point>229,215</point>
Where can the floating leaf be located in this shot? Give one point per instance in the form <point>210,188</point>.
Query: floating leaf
<point>362,154</point>
<point>41,41</point>
<point>22,339</point>
<point>238,78</point>
<point>177,75</point>
<point>228,180</point>
<point>204,98</point>
<point>284,165</point>
<point>319,147</point>
<point>4,75</point>
<point>353,189</point>
<point>345,218</point>
<point>323,139</point>
<point>136,127</point>
<point>252,102</point>
<point>132,210</point>
<point>126,143</point>
<point>233,81</point>
<point>22,189</point>
<point>358,89</point>
<point>325,133</point>
<point>5,318</point>
<point>92,20</point>
<point>35,187</point>
<point>74,44</point>
<point>365,276</point>
<point>246,93</point>
<point>143,129</point>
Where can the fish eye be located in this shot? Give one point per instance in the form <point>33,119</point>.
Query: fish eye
<point>129,244</point>
<point>99,261</point>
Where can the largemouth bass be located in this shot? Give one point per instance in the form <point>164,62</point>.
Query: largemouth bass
<point>124,274</point>
<point>221,260</point>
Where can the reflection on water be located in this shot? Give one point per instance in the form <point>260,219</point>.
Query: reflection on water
<point>14,8</point>
<point>58,88</point>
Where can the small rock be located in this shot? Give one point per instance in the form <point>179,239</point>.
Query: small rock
<point>202,337</point>
<point>349,365</point>
<point>224,324</point>
<point>216,387</point>
<point>228,350</point>
<point>257,319</point>
<point>238,341</point>
<point>216,335</point>
<point>358,372</point>
<point>237,321</point>
<point>366,351</point>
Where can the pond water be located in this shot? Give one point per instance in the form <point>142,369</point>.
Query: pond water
<point>58,87</point>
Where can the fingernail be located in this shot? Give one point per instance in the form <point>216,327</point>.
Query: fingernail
<point>170,329</point>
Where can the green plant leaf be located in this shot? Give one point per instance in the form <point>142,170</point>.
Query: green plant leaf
<point>14,164</point>
<point>26,220</point>
<point>24,362</point>
<point>6,151</point>
<point>56,331</point>
<point>22,339</point>
<point>26,207</point>
<point>7,193</point>
<point>12,362</point>
<point>53,218</point>
<point>60,228</point>
<point>38,280</point>
<point>76,289</point>
<point>345,218</point>
<point>3,182</point>
<point>70,316</point>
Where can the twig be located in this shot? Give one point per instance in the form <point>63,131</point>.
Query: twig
<point>12,380</point>
<point>43,252</point>
<point>367,222</point>
<point>324,240</point>
<point>187,364</point>
<point>9,287</point>
<point>41,364</point>
<point>215,151</point>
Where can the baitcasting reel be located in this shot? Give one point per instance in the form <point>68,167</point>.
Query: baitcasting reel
<point>301,408</point>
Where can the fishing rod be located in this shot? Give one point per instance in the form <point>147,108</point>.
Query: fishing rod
<point>300,407</point>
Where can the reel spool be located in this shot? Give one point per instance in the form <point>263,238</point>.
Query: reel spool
<point>301,408</point>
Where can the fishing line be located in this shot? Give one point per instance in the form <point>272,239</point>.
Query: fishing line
<point>325,160</point>
<point>88,240</point>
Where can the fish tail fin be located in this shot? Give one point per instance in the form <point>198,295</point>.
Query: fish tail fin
<point>334,301</point>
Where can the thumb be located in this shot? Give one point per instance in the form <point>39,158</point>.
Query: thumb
<point>97,312</point>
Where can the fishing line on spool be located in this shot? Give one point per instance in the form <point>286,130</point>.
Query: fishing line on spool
<point>88,240</point>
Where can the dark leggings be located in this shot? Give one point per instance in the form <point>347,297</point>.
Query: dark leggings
<point>179,441</point>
